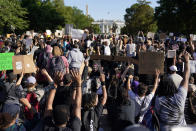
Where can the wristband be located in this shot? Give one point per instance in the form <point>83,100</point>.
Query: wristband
<point>103,83</point>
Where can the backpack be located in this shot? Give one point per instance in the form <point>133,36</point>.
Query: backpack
<point>3,93</point>
<point>57,64</point>
<point>43,60</point>
<point>89,120</point>
<point>32,98</point>
<point>151,120</point>
<point>5,89</point>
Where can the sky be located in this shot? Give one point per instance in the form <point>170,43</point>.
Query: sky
<point>105,9</point>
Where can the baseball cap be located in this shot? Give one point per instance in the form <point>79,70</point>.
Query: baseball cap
<point>31,80</point>
<point>173,68</point>
<point>12,109</point>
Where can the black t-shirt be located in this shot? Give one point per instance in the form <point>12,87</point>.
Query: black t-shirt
<point>124,115</point>
<point>63,96</point>
<point>49,125</point>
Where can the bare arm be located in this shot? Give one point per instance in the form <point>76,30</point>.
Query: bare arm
<point>48,111</point>
<point>102,78</point>
<point>156,81</point>
<point>78,98</point>
<point>124,73</point>
<point>44,72</point>
<point>20,79</point>
<point>129,83</point>
<point>57,78</point>
<point>25,102</point>
<point>185,80</point>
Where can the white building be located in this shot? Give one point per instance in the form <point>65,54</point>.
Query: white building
<point>107,25</point>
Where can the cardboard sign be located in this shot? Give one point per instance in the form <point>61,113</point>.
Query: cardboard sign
<point>77,34</point>
<point>6,61</point>
<point>114,58</point>
<point>150,35</point>
<point>192,66</point>
<point>162,36</point>
<point>23,63</point>
<point>59,33</point>
<point>171,53</point>
<point>149,61</point>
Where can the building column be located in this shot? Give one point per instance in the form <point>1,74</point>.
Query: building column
<point>102,30</point>
<point>107,30</point>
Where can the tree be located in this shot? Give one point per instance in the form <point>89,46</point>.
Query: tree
<point>176,16</point>
<point>42,15</point>
<point>139,16</point>
<point>12,16</point>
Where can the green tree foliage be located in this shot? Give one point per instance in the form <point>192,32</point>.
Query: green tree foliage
<point>54,15</point>
<point>139,16</point>
<point>12,16</point>
<point>42,15</point>
<point>176,16</point>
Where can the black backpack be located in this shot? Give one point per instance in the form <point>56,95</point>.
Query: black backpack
<point>89,120</point>
<point>57,64</point>
<point>3,93</point>
<point>5,89</point>
<point>43,60</point>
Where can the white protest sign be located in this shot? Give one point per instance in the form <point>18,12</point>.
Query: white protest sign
<point>28,33</point>
<point>77,33</point>
<point>48,32</point>
<point>59,33</point>
<point>193,37</point>
<point>171,34</point>
<point>171,53</point>
<point>68,28</point>
<point>192,66</point>
<point>150,35</point>
<point>182,39</point>
<point>35,34</point>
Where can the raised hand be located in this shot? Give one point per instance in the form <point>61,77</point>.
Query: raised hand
<point>58,77</point>
<point>157,73</point>
<point>76,76</point>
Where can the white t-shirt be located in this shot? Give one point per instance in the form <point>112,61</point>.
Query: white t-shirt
<point>146,101</point>
<point>107,50</point>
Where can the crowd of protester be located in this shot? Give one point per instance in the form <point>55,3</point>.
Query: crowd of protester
<point>69,91</point>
